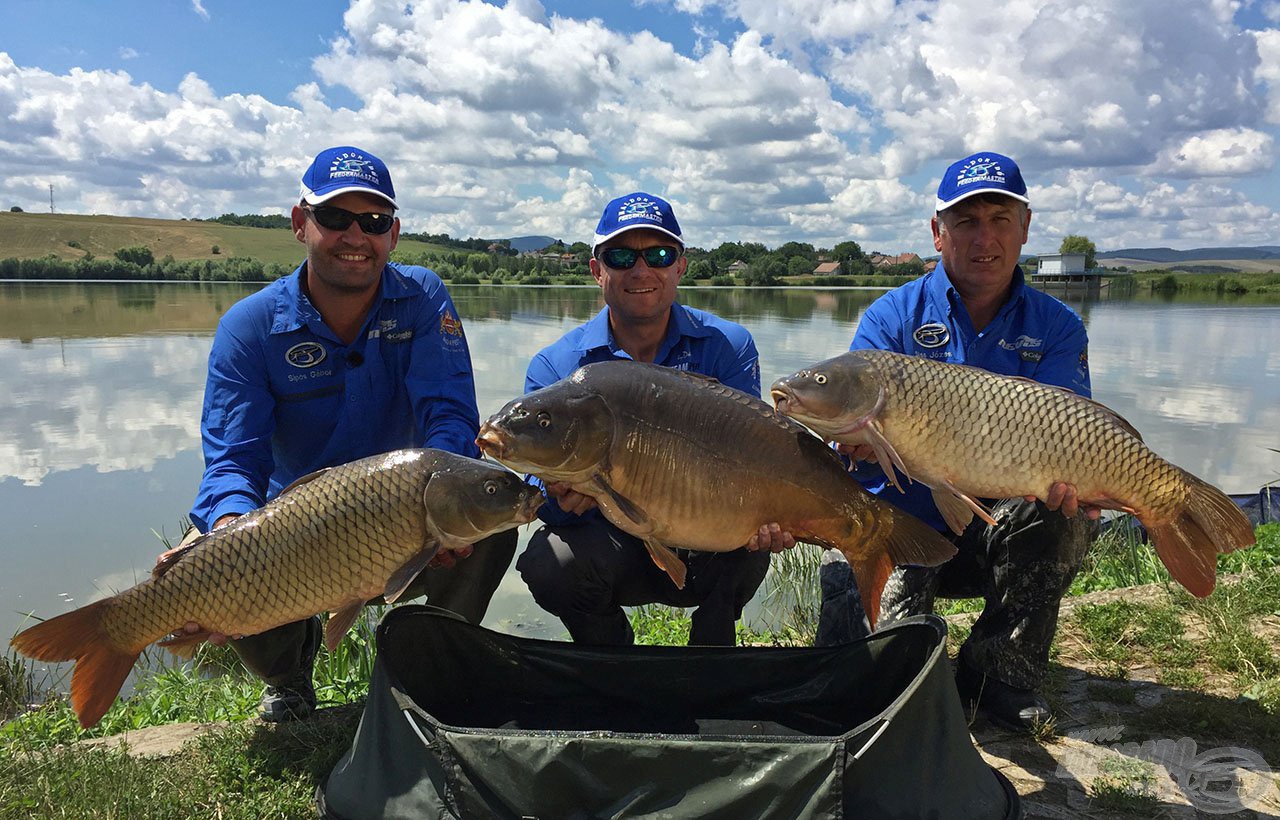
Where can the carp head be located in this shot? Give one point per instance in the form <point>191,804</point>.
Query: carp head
<point>474,500</point>
<point>562,432</point>
<point>834,398</point>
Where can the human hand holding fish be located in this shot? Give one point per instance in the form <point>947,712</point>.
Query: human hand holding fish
<point>771,537</point>
<point>569,499</point>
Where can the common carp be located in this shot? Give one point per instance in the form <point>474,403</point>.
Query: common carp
<point>967,434</point>
<point>681,460</point>
<point>331,541</point>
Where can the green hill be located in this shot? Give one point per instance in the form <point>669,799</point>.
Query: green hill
<point>30,236</point>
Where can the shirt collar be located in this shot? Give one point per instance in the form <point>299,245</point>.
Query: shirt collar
<point>942,292</point>
<point>595,333</point>
<point>293,310</point>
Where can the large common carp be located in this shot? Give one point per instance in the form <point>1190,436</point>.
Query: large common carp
<point>331,541</point>
<point>681,460</point>
<point>967,434</point>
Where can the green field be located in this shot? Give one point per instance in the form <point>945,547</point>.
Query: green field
<point>30,236</point>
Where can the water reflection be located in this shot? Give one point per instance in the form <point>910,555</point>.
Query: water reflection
<point>102,385</point>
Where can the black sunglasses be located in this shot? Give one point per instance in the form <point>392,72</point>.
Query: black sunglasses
<point>659,256</point>
<point>339,219</point>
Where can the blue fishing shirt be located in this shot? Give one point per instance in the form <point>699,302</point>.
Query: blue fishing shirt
<point>286,397</point>
<point>696,341</point>
<point>1033,335</point>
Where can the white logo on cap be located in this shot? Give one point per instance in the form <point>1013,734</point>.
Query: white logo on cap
<point>639,207</point>
<point>352,164</point>
<point>980,169</point>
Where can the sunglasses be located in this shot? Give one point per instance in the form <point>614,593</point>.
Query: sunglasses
<point>660,256</point>
<point>339,219</point>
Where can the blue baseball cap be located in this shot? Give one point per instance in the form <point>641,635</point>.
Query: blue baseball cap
<point>343,169</point>
<point>635,211</point>
<point>980,173</point>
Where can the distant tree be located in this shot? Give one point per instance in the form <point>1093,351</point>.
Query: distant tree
<point>1080,244</point>
<point>700,269</point>
<point>799,266</point>
<point>15,210</point>
<point>139,255</point>
<point>790,249</point>
<point>853,260</point>
<point>215,250</point>
<point>766,270</point>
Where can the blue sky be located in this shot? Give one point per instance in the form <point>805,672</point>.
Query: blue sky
<point>1136,122</point>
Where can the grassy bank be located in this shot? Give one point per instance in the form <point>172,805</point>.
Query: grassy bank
<point>1216,658</point>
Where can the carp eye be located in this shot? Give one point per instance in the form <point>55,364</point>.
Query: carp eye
<point>544,420</point>
<point>821,378</point>
<point>491,487</point>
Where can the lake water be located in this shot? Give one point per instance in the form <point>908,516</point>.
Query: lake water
<point>101,386</point>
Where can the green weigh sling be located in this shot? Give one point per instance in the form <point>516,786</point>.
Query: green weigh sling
<point>464,722</point>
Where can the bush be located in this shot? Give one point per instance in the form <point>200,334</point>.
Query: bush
<point>723,280</point>
<point>15,210</point>
<point>215,250</point>
<point>139,255</point>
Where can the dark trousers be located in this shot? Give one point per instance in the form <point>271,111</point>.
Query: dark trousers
<point>278,655</point>
<point>586,572</point>
<point>1021,567</point>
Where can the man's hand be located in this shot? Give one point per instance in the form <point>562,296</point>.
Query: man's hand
<point>856,453</point>
<point>444,559</point>
<point>1062,496</point>
<point>771,537</point>
<point>569,499</point>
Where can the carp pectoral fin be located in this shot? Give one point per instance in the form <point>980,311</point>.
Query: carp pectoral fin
<point>885,454</point>
<point>960,501</point>
<point>339,622</point>
<point>633,513</point>
<point>403,577</point>
<point>298,482</point>
<point>871,575</point>
<point>954,510</point>
<point>667,561</point>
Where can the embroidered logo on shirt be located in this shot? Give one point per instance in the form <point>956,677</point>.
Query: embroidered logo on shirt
<point>305,354</point>
<point>1030,355</point>
<point>934,334</point>
<point>1022,341</point>
<point>450,324</point>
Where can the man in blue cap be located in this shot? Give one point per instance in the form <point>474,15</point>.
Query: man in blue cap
<point>578,566</point>
<point>976,309</point>
<point>349,356</point>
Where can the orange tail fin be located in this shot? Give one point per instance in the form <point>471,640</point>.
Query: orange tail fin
<point>1188,545</point>
<point>101,667</point>
<point>907,541</point>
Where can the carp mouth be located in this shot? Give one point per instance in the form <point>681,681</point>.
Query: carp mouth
<point>530,505</point>
<point>784,400</point>
<point>492,440</point>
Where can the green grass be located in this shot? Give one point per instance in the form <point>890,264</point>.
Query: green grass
<point>71,236</point>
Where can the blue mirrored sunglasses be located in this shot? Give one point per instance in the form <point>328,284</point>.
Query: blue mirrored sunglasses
<point>339,219</point>
<point>660,256</point>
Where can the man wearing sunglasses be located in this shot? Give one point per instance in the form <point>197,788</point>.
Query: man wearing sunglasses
<point>348,356</point>
<point>578,566</point>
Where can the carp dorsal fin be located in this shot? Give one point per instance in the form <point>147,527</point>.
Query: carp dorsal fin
<point>190,539</point>
<point>300,480</point>
<point>625,506</point>
<point>401,578</point>
<point>340,620</point>
<point>667,561</point>
<point>1097,405</point>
